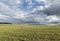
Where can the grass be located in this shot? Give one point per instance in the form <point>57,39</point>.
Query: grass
<point>16,32</point>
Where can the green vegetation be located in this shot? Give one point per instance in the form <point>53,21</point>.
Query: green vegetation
<point>16,32</point>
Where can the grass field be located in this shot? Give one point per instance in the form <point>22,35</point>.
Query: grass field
<point>15,32</point>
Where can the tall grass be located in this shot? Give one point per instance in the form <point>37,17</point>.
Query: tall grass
<point>17,32</point>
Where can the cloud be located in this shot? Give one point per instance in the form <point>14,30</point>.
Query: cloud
<point>4,9</point>
<point>40,0</point>
<point>49,2</point>
<point>20,14</point>
<point>4,16</point>
<point>29,11</point>
<point>52,18</point>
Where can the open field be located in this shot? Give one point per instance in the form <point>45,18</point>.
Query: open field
<point>16,32</point>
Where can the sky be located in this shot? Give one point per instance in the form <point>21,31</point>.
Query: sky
<point>27,11</point>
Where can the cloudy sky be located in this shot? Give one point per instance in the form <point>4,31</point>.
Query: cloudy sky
<point>27,11</point>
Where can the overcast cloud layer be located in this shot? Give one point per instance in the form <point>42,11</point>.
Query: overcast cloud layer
<point>29,11</point>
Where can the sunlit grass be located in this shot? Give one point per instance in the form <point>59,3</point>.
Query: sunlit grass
<point>18,32</point>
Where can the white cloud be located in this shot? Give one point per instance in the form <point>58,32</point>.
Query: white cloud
<point>6,9</point>
<point>20,14</point>
<point>2,6</point>
<point>33,15</point>
<point>18,1</point>
<point>52,18</point>
<point>39,8</point>
<point>3,16</point>
<point>46,6</point>
<point>49,2</point>
<point>40,0</point>
<point>12,10</point>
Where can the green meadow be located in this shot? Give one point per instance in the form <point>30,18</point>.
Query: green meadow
<point>17,32</point>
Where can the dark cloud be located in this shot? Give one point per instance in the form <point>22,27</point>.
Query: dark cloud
<point>52,9</point>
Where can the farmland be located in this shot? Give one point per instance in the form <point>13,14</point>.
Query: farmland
<point>20,32</point>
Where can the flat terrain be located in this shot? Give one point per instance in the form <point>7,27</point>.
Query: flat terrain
<point>16,32</point>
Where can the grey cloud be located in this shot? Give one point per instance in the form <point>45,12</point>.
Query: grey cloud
<point>53,9</point>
